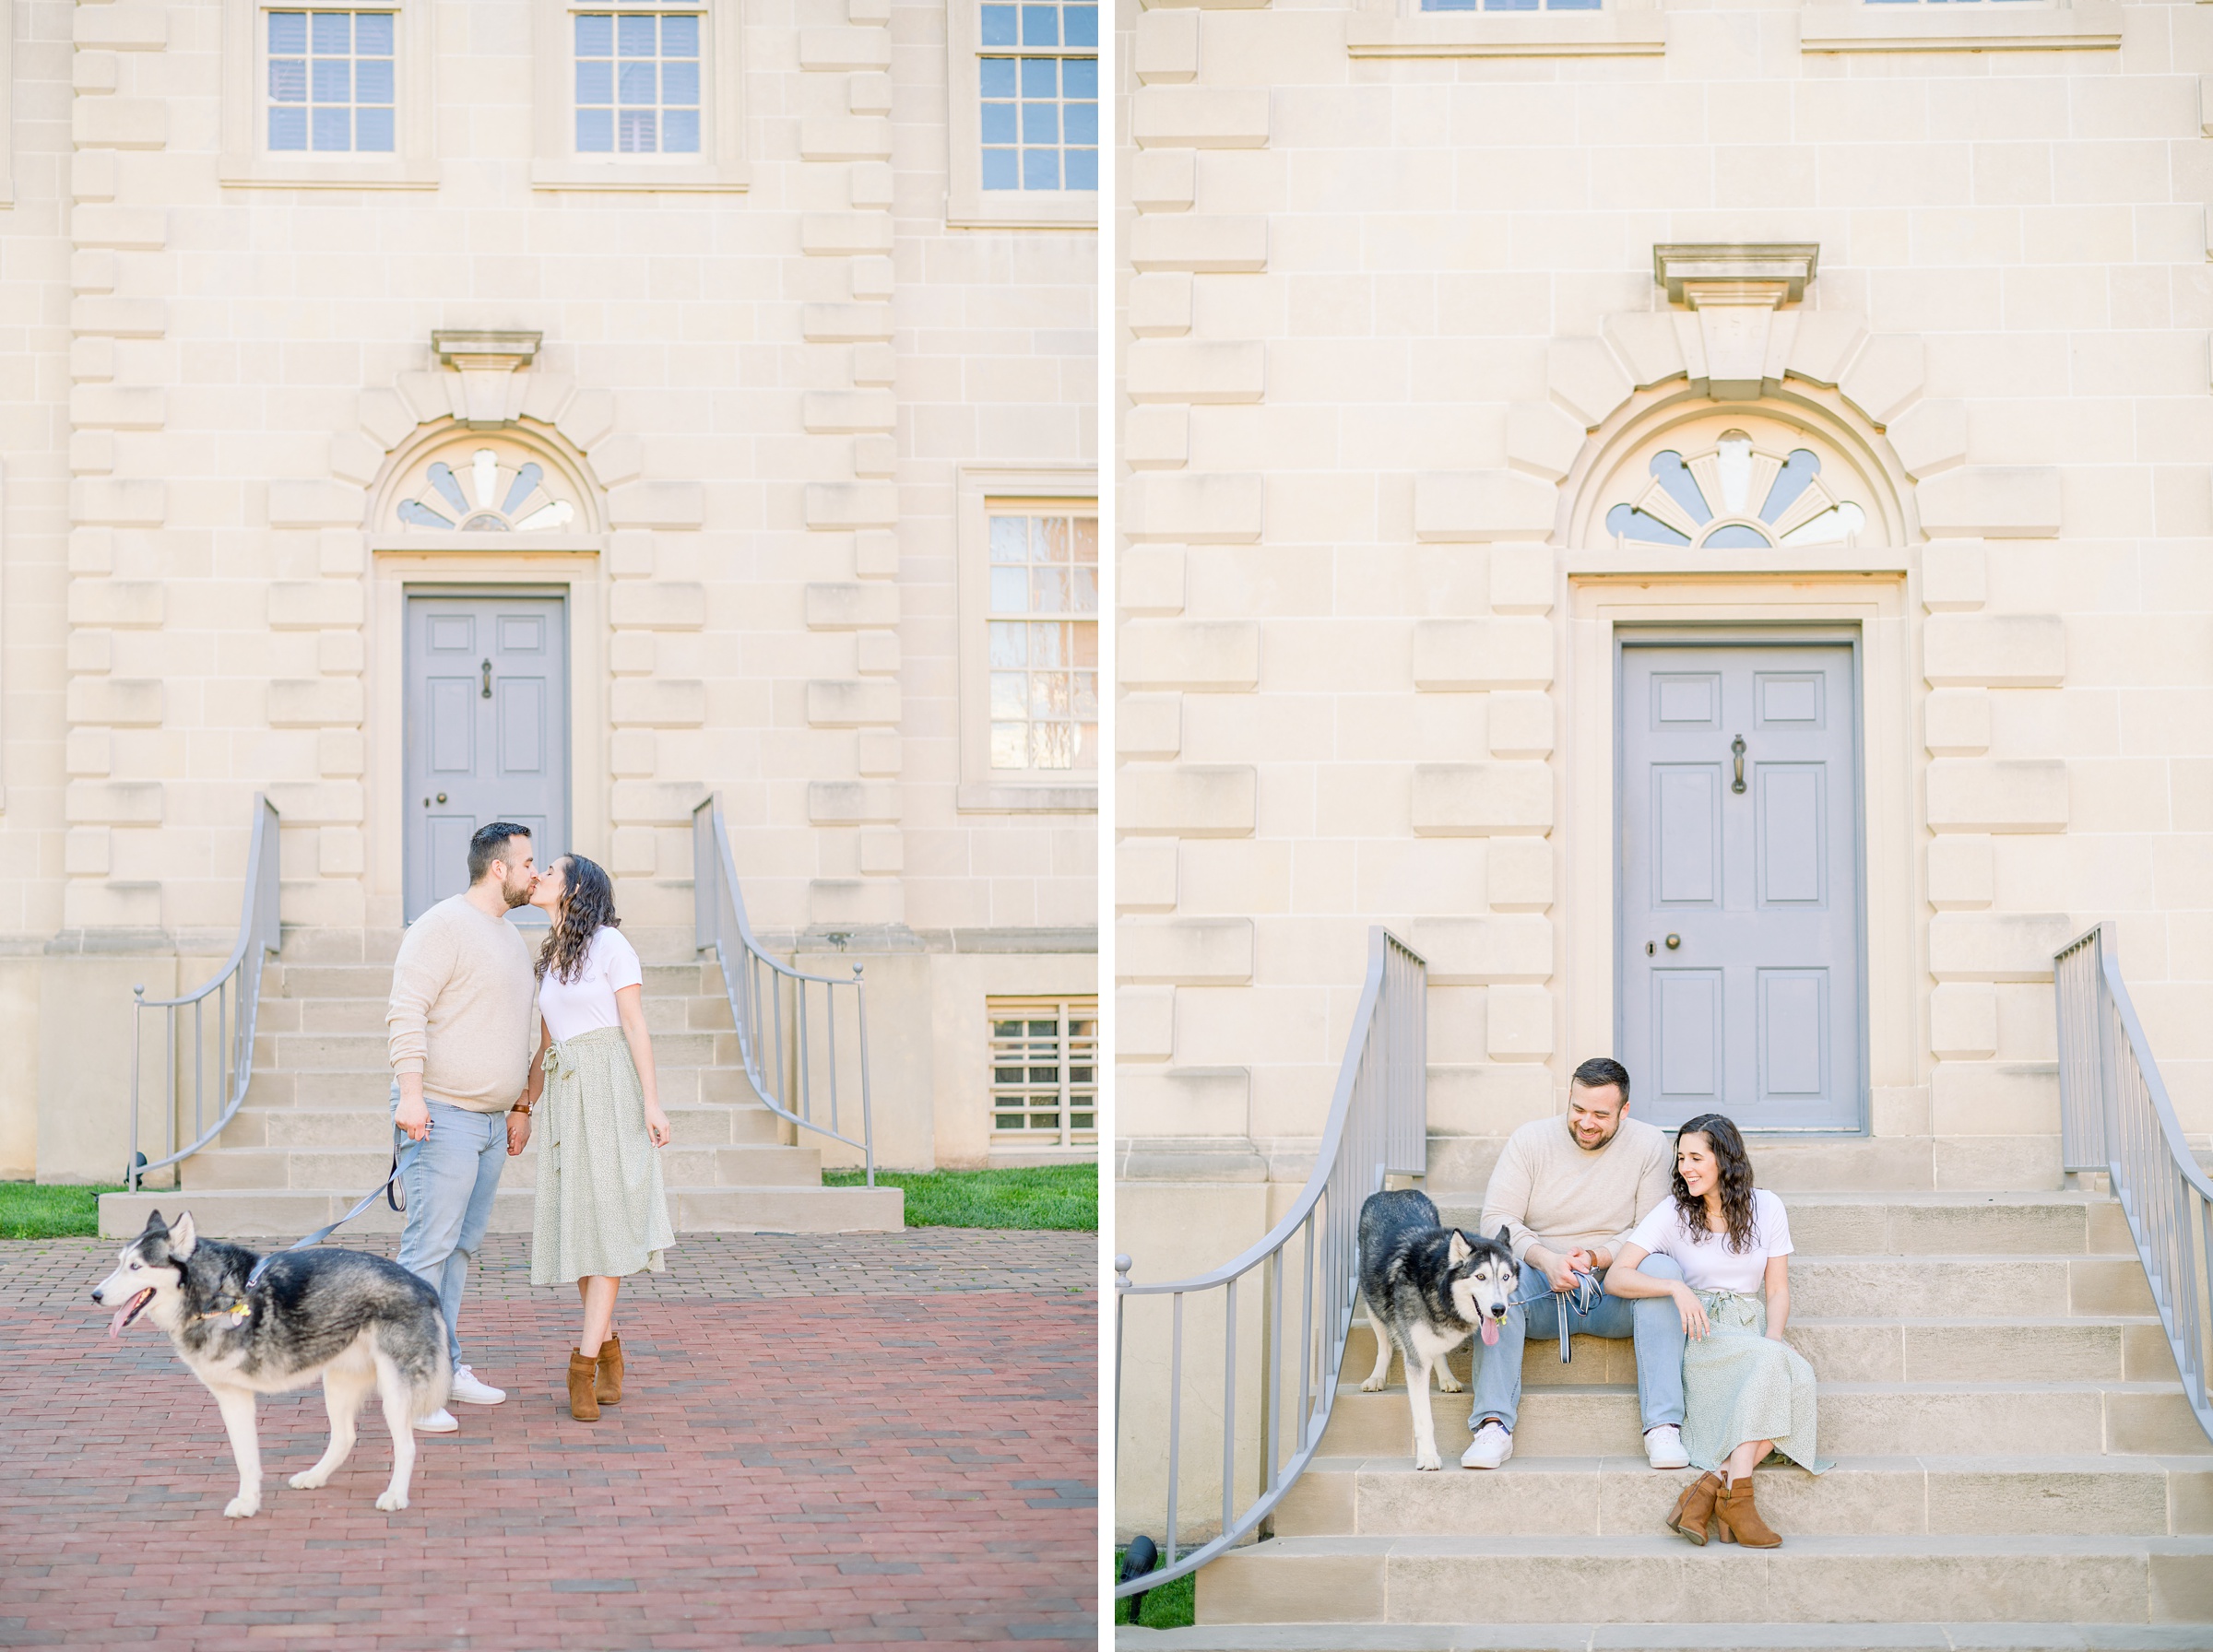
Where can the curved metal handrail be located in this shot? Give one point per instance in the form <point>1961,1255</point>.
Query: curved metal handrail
<point>236,989</point>
<point>2115,1116</point>
<point>720,926</point>
<point>1377,1126</point>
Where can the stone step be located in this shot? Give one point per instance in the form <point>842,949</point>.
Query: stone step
<point>1922,1224</point>
<point>1856,1419</point>
<point>2075,1349</point>
<point>1665,1637</point>
<point>1935,1287</point>
<point>748,1165</point>
<point>664,1015</point>
<point>370,1090</point>
<point>361,1052</point>
<point>282,1215</point>
<point>693,1125</point>
<point>1659,1577</point>
<point>1532,1497</point>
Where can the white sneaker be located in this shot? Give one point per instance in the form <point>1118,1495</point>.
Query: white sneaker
<point>440,1422</point>
<point>469,1391</point>
<point>1664,1447</point>
<point>1491,1446</point>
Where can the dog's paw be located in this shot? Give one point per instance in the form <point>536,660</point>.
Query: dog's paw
<point>1449,1383</point>
<point>241,1508</point>
<point>392,1502</point>
<point>1374,1384</point>
<point>307,1480</point>
<point>1428,1461</point>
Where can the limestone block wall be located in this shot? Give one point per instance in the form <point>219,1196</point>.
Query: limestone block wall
<point>766,388</point>
<point>1390,287</point>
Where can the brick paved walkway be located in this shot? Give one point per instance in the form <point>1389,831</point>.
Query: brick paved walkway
<point>805,1455</point>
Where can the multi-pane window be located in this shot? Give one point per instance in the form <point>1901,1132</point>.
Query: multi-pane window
<point>1044,1073</point>
<point>1044,639</point>
<point>331,86</point>
<point>1039,86</point>
<point>637,83</point>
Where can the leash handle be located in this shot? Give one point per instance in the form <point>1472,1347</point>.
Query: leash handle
<point>1585,1294</point>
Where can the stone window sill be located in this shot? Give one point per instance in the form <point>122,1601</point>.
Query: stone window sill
<point>274,172</point>
<point>1022,210</point>
<point>1508,34</point>
<point>989,799</point>
<point>1646,562</point>
<point>584,175</point>
<point>1994,26</point>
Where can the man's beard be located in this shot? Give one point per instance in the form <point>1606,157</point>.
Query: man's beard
<point>517,894</point>
<point>1591,1147</point>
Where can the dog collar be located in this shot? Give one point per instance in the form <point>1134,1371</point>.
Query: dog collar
<point>236,1312</point>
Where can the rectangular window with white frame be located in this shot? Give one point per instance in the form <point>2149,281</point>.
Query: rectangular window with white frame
<point>1029,580</point>
<point>1044,1055</point>
<point>1024,81</point>
<point>341,97</point>
<point>640,94</point>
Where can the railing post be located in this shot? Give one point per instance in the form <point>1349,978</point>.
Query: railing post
<point>867,1109</point>
<point>138,1039</point>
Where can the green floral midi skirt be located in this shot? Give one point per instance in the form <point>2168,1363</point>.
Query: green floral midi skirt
<point>1739,1385</point>
<point>601,1206</point>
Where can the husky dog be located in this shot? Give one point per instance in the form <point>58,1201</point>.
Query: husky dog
<point>357,1321</point>
<point>1427,1289</point>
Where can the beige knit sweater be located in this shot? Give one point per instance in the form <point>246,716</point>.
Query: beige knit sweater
<point>463,1007</point>
<point>1549,1190</point>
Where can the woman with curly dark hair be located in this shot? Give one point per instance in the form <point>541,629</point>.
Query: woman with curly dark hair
<point>602,1210</point>
<point>1746,1391</point>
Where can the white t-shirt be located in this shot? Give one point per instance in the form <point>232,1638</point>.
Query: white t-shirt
<point>1707,1262</point>
<point>587,1003</point>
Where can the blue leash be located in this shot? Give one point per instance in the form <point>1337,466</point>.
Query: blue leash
<point>1584,1296</point>
<point>387,1188</point>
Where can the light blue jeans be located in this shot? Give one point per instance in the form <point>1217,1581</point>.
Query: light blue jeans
<point>449,1178</point>
<point>1651,1320</point>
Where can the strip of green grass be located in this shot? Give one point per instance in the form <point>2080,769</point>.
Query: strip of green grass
<point>1045,1196</point>
<point>1171,1606</point>
<point>31,1211</point>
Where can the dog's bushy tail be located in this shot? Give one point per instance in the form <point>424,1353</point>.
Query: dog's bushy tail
<point>417,1346</point>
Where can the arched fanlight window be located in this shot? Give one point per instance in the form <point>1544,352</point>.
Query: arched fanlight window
<point>486,492</point>
<point>1736,496</point>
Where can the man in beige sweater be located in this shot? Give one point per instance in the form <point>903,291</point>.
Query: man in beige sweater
<point>460,1021</point>
<point>1568,1191</point>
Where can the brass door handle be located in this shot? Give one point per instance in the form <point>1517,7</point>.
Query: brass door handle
<point>1737,745</point>
<point>488,695</point>
<point>426,802</point>
<point>1674,941</point>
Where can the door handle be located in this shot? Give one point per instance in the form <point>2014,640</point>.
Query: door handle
<point>1737,745</point>
<point>1674,941</point>
<point>488,695</point>
<point>426,802</point>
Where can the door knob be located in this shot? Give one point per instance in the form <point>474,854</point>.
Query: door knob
<point>1736,746</point>
<point>488,695</point>
<point>1674,941</point>
<point>441,800</point>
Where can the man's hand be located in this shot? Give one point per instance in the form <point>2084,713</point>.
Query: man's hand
<point>1583,1261</point>
<point>413,1114</point>
<point>518,1133</point>
<point>1558,1270</point>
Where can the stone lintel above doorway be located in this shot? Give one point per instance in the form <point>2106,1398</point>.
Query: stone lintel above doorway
<point>1735,287</point>
<point>486,362</point>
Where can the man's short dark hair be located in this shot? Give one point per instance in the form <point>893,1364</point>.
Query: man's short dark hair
<point>490,845</point>
<point>1600,1071</point>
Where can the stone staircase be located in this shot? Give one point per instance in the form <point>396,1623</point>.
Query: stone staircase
<point>2016,1468</point>
<point>313,1134</point>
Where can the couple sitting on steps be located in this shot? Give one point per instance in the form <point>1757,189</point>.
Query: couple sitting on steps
<point>1683,1246</point>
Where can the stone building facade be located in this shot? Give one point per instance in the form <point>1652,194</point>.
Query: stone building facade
<point>336,334</point>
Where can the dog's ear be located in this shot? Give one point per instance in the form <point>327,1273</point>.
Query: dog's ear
<point>1458,1249</point>
<point>155,1227</point>
<point>1506,1237</point>
<point>182,1238</point>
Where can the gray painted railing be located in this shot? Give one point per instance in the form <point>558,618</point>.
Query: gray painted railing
<point>223,1066</point>
<point>2114,1116</point>
<point>770,1001</point>
<point>1377,1126</point>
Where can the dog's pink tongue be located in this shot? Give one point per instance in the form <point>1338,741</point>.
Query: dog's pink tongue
<point>1490,1333</point>
<point>122,1315</point>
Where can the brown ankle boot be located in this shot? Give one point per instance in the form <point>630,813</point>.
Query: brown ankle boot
<point>611,1370</point>
<point>1739,1519</point>
<point>1694,1509</point>
<point>584,1402</point>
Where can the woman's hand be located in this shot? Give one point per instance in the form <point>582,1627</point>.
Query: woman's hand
<point>1695,1326</point>
<point>656,1124</point>
<point>519,1132</point>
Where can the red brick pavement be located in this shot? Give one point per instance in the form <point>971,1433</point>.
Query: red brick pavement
<point>788,1472</point>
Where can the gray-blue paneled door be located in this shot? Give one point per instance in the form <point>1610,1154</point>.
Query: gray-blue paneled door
<point>487,731</point>
<point>1739,980</point>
